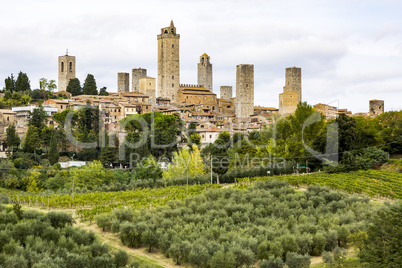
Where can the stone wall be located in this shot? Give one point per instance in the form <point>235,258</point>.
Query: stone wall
<point>205,72</point>
<point>66,71</point>
<point>288,103</point>
<point>168,64</point>
<point>123,82</point>
<point>226,92</point>
<point>376,107</point>
<point>244,90</point>
<point>148,87</point>
<point>136,75</point>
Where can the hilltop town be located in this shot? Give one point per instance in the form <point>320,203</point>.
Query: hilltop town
<point>168,95</point>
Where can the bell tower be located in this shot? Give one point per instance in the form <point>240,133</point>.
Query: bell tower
<point>169,64</point>
<point>205,72</point>
<point>66,71</point>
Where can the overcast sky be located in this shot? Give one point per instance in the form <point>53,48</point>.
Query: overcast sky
<point>349,50</point>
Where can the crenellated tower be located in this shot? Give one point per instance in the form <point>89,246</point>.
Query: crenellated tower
<point>169,64</point>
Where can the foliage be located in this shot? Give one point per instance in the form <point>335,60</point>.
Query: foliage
<point>91,175</point>
<point>12,140</point>
<point>89,87</point>
<point>32,139</point>
<point>22,83</point>
<point>50,241</point>
<point>10,83</point>
<point>185,163</point>
<point>229,226</point>
<point>38,118</point>
<point>103,91</point>
<point>53,154</point>
<point>74,87</point>
<point>384,238</point>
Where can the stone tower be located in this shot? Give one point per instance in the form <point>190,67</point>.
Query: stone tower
<point>168,64</point>
<point>205,72</point>
<point>376,107</point>
<point>293,82</point>
<point>123,82</point>
<point>244,90</point>
<point>148,87</point>
<point>226,92</point>
<point>66,71</point>
<point>136,75</point>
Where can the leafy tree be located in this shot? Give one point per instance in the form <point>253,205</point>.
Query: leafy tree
<point>199,255</point>
<point>195,138</point>
<point>22,83</point>
<point>219,153</point>
<point>103,92</point>
<point>384,243</point>
<point>185,164</point>
<point>121,258</point>
<point>389,125</point>
<point>89,87</point>
<point>38,118</point>
<point>108,153</point>
<point>32,139</point>
<point>12,140</point>
<point>295,260</point>
<point>74,87</point>
<point>53,152</point>
<point>47,87</point>
<point>223,259</point>
<point>10,83</point>
<point>148,169</point>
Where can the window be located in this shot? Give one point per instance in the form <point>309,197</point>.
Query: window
<point>62,66</point>
<point>246,85</point>
<point>202,126</point>
<point>210,136</point>
<point>172,76</point>
<point>61,106</point>
<point>8,118</point>
<point>143,99</point>
<point>172,30</point>
<point>71,66</point>
<point>172,85</point>
<point>202,61</point>
<point>187,97</point>
<point>172,97</point>
<point>172,46</point>
<point>202,136</point>
<point>205,97</point>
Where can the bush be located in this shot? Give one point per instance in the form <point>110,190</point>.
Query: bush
<point>59,219</point>
<point>272,262</point>
<point>121,258</point>
<point>294,260</point>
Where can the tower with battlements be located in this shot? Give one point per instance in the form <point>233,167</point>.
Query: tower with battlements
<point>205,72</point>
<point>169,64</point>
<point>244,90</point>
<point>136,75</point>
<point>66,71</point>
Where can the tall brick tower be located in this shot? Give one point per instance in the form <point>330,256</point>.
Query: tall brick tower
<point>293,82</point>
<point>169,64</point>
<point>66,71</point>
<point>244,90</point>
<point>205,72</point>
<point>137,74</point>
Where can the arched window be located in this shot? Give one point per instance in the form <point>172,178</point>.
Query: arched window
<point>172,30</point>
<point>71,66</point>
<point>172,46</point>
<point>166,31</point>
<point>62,66</point>
<point>202,60</point>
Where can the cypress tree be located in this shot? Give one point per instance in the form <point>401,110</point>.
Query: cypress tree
<point>13,140</point>
<point>53,152</point>
<point>10,83</point>
<point>22,83</point>
<point>90,86</point>
<point>74,87</point>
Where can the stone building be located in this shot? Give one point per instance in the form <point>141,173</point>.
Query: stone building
<point>292,93</point>
<point>244,90</point>
<point>66,71</point>
<point>196,94</point>
<point>168,64</point>
<point>376,107</point>
<point>205,72</point>
<point>123,82</point>
<point>147,85</point>
<point>293,82</point>
<point>136,75</point>
<point>330,112</point>
<point>226,92</point>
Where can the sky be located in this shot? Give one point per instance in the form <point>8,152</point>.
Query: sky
<point>350,51</point>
